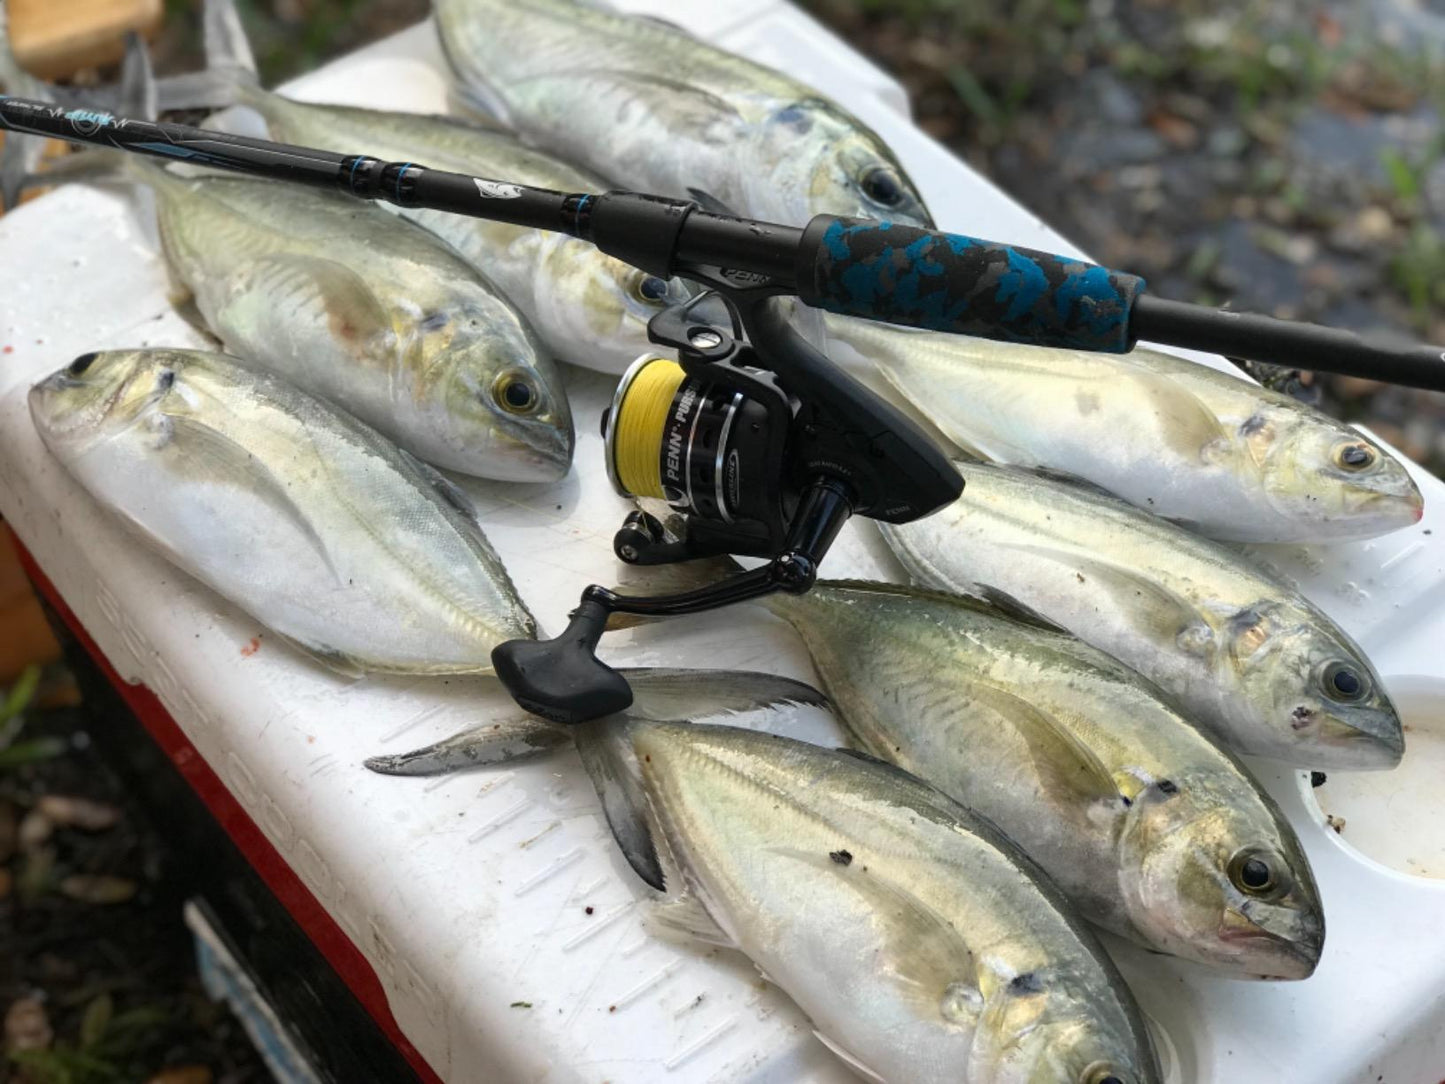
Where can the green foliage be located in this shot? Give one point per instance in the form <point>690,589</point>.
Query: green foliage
<point>1418,271</point>
<point>109,1043</point>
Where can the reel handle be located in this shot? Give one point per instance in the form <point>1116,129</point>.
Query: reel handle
<point>564,681</point>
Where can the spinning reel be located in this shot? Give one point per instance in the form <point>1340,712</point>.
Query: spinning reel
<point>762,447</point>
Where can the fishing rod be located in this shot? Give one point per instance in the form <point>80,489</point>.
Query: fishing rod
<point>759,443</point>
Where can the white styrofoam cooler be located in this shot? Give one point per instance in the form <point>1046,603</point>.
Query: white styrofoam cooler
<point>469,894</point>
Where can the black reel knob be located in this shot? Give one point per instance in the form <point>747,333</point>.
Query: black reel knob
<point>563,680</point>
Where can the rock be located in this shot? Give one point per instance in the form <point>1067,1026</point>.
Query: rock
<point>1370,228</point>
<point>1228,141</point>
<point>1105,95</point>
<point>27,1027</point>
<point>83,813</point>
<point>98,888</point>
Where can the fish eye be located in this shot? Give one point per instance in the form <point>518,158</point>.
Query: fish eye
<point>1344,683</point>
<point>515,394</point>
<point>649,288</point>
<point>1101,1074</point>
<point>1354,456</point>
<point>883,186</point>
<point>1253,873</point>
<point>80,364</point>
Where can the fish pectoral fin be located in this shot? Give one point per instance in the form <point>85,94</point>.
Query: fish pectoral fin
<point>211,454</point>
<point>1165,612</point>
<point>931,964</point>
<point>607,755</point>
<point>665,694</point>
<point>476,747</point>
<point>355,315</point>
<point>1061,759</point>
<point>1186,423</point>
<point>842,1052</point>
<point>685,916</point>
<point>448,491</point>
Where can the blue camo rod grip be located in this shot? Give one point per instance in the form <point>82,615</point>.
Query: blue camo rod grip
<point>949,282</point>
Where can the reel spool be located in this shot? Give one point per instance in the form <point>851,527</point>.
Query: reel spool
<point>708,450</point>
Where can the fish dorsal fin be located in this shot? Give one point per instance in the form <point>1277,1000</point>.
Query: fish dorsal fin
<point>446,490</point>
<point>664,694</point>
<point>1064,763</point>
<point>501,742</point>
<point>995,603</point>
<point>708,202</point>
<point>607,755</point>
<point>1072,480</point>
<point>930,962</point>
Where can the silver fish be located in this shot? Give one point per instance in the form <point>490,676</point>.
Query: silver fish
<point>681,117</point>
<point>1211,452</point>
<point>311,522</point>
<point>588,308</point>
<point>371,313</point>
<point>1151,829</point>
<point>919,941</point>
<point>1245,655</point>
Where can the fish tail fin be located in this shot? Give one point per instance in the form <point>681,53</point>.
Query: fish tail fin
<point>229,77</point>
<point>13,78</point>
<point>137,81</point>
<point>606,749</point>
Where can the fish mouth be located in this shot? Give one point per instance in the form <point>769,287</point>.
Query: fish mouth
<point>1372,747</point>
<point>1290,955</point>
<point>536,453</point>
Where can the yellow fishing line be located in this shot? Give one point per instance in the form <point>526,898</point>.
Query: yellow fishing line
<point>642,415</point>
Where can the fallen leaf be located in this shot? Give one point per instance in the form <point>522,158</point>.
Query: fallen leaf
<point>74,812</point>
<point>27,1027</point>
<point>98,888</point>
<point>35,829</point>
